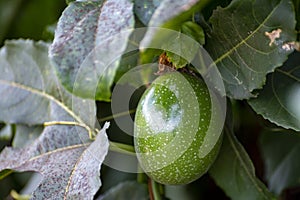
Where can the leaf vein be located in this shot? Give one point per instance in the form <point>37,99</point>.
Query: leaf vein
<point>279,101</point>
<point>249,174</point>
<point>72,174</point>
<point>43,94</point>
<point>59,150</point>
<point>247,38</point>
<point>289,74</point>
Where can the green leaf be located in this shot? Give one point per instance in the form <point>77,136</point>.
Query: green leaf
<point>126,190</point>
<point>6,132</point>
<point>7,11</point>
<point>177,61</point>
<point>240,45</point>
<point>212,5</point>
<point>18,17</point>
<point>181,49</point>
<point>193,30</point>
<point>69,1</point>
<point>65,157</point>
<point>297,10</point>
<point>234,172</point>
<point>5,173</point>
<point>282,92</point>
<point>170,14</point>
<point>89,41</point>
<point>25,135</point>
<point>144,9</point>
<point>29,90</point>
<point>280,151</point>
<point>48,33</point>
<point>129,61</point>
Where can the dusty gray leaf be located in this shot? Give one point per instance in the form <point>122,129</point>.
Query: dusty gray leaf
<point>126,190</point>
<point>144,9</point>
<point>34,96</point>
<point>102,29</point>
<point>88,168</point>
<point>67,159</point>
<point>29,90</point>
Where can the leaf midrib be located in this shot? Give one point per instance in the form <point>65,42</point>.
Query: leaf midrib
<point>72,147</point>
<point>244,41</point>
<point>288,74</point>
<point>243,164</point>
<point>283,162</point>
<point>45,95</point>
<point>72,174</point>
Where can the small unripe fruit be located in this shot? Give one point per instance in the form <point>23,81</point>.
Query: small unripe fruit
<point>171,123</point>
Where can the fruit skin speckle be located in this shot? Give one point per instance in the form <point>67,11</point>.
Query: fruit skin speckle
<point>171,122</point>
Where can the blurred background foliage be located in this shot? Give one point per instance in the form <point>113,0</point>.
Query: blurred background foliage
<point>28,18</point>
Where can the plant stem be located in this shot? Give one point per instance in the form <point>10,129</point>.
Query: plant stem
<point>114,146</point>
<point>122,148</point>
<point>5,173</point>
<point>121,114</point>
<point>154,190</point>
<point>52,123</point>
<point>17,196</point>
<point>141,176</point>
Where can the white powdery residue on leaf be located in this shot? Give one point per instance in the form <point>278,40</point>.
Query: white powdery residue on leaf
<point>85,179</point>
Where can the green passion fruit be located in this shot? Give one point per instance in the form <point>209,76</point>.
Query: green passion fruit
<point>173,118</point>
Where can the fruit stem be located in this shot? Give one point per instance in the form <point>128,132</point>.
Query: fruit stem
<point>122,148</point>
<point>17,196</point>
<point>154,190</point>
<point>121,114</point>
<point>141,176</point>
